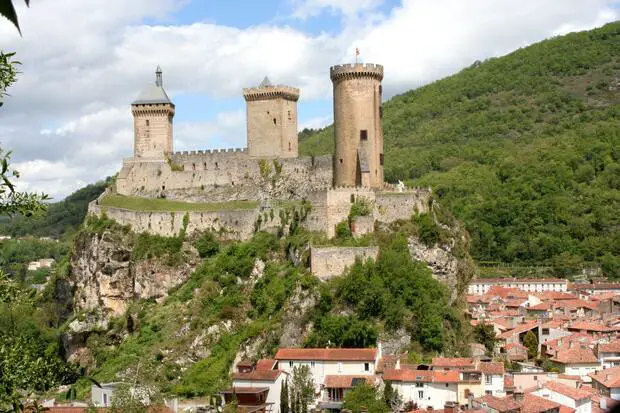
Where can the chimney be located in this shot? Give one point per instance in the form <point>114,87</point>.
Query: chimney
<point>450,407</point>
<point>518,396</point>
<point>398,363</point>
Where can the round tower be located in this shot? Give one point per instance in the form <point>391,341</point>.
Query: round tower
<point>271,120</point>
<point>358,133</point>
<point>152,119</point>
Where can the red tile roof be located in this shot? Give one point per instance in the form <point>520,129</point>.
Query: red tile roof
<point>408,375</point>
<point>609,378</point>
<point>500,404</point>
<point>345,381</point>
<point>566,409</point>
<point>575,356</point>
<point>329,354</point>
<point>515,345</point>
<point>266,364</point>
<point>613,347</point>
<point>452,362</point>
<point>571,392</point>
<point>535,404</point>
<point>258,375</point>
<point>589,326</point>
<point>491,367</point>
<point>440,376</point>
<point>544,306</point>
<point>554,296</point>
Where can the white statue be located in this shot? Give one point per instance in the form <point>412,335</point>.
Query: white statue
<point>400,187</point>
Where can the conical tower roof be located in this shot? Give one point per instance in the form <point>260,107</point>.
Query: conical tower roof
<point>153,93</point>
<point>265,83</point>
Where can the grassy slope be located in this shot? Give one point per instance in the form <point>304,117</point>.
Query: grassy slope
<point>523,149</point>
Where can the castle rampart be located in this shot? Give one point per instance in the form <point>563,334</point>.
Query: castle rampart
<point>330,262</point>
<point>351,71</point>
<point>271,92</point>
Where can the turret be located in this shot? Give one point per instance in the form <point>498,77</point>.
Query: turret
<point>152,119</point>
<point>271,120</point>
<point>358,132</point>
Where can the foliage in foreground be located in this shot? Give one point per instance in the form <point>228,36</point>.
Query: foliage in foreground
<point>523,149</point>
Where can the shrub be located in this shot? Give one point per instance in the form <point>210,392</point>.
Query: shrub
<point>207,245</point>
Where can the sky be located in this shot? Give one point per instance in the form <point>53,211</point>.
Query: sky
<point>68,118</point>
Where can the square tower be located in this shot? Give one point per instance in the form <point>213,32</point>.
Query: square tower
<point>271,120</point>
<point>152,119</point>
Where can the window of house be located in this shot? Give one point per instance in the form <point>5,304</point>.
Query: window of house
<point>366,366</point>
<point>274,121</point>
<point>420,395</point>
<point>204,166</point>
<point>535,378</point>
<point>312,364</point>
<point>290,363</point>
<point>341,160</point>
<point>488,392</point>
<point>105,400</point>
<point>418,384</point>
<point>148,122</point>
<point>289,146</point>
<point>363,135</point>
<point>446,384</point>
<point>352,198</point>
<point>381,159</point>
<point>545,331</point>
<point>487,379</point>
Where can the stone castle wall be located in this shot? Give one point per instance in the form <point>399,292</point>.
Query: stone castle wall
<point>329,262</point>
<point>218,176</point>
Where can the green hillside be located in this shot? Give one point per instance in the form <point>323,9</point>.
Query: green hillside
<point>524,149</point>
<point>61,217</point>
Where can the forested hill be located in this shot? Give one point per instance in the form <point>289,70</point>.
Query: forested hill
<point>523,148</point>
<point>61,217</point>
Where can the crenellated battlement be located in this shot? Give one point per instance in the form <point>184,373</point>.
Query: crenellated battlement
<point>357,70</point>
<point>211,151</point>
<point>271,92</point>
<point>153,109</point>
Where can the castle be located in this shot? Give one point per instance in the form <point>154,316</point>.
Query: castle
<point>269,172</point>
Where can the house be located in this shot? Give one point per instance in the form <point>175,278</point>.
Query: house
<point>607,382</point>
<point>577,362</point>
<point>250,399</point>
<point>483,285</point>
<point>434,388</point>
<point>608,354</point>
<point>42,263</point>
<point>493,378</point>
<point>336,387</point>
<point>260,388</point>
<point>518,403</point>
<point>552,330</point>
<point>574,398</point>
<point>596,329</point>
<point>478,351</point>
<point>515,352</point>
<point>104,396</point>
<point>325,362</point>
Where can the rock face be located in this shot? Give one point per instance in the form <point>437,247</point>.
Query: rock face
<point>293,327</point>
<point>440,260</point>
<point>106,279</point>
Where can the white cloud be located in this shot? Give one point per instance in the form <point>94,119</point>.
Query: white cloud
<point>68,120</point>
<point>304,9</point>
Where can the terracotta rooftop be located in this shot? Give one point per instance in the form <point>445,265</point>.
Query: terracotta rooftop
<point>515,345</point>
<point>258,375</point>
<point>500,404</point>
<point>518,280</point>
<point>575,356</point>
<point>491,367</point>
<point>265,364</point>
<point>440,376</point>
<point>250,390</point>
<point>590,326</point>
<point>328,354</point>
<point>609,378</point>
<point>535,404</point>
<point>613,347</point>
<point>346,381</point>
<point>554,296</point>
<point>544,306</point>
<point>408,375</point>
<point>575,394</point>
<point>452,362</point>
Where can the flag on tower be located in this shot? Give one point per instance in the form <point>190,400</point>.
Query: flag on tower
<point>357,51</point>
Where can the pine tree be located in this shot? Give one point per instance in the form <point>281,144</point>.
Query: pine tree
<point>531,342</point>
<point>284,405</point>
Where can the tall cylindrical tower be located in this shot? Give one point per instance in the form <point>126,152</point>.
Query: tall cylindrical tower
<point>358,133</point>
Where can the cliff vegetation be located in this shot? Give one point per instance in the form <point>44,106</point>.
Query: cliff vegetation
<point>523,149</point>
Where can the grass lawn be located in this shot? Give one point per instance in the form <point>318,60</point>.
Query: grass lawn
<point>149,204</point>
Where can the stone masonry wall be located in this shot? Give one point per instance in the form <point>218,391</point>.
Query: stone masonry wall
<point>217,176</point>
<point>329,262</point>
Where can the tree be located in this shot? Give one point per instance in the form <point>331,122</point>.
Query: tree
<point>363,396</point>
<point>392,398</point>
<point>13,202</point>
<point>531,342</point>
<point>7,10</point>
<point>485,334</point>
<point>302,389</point>
<point>284,404</point>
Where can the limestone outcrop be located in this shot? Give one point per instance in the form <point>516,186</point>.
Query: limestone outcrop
<point>106,279</point>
